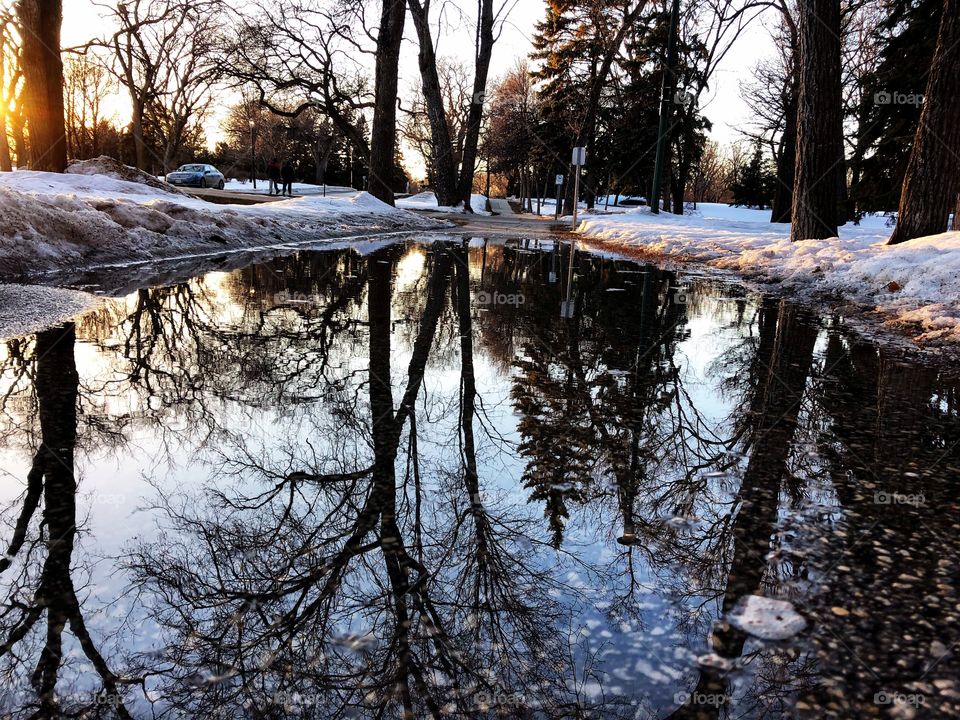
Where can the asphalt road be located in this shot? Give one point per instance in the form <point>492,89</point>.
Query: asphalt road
<point>235,197</point>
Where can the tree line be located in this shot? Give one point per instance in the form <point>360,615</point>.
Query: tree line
<point>842,126</point>
<point>317,80</point>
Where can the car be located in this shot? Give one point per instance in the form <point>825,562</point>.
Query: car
<point>197,175</point>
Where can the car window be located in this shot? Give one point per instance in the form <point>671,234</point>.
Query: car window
<point>191,168</point>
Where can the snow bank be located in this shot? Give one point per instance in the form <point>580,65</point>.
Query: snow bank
<point>916,284</point>
<point>428,201</point>
<point>115,169</point>
<point>50,221</point>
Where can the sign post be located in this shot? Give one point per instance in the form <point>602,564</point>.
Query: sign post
<point>579,160</point>
<point>560,180</point>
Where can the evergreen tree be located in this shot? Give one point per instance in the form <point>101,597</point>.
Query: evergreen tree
<point>910,31</point>
<point>755,186</point>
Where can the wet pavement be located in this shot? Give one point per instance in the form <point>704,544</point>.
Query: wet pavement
<point>432,480</point>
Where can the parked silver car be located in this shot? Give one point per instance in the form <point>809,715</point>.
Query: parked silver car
<point>201,176</point>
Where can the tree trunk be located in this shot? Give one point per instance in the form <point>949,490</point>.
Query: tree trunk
<point>956,216</point>
<point>819,125</point>
<point>678,186</point>
<point>20,143</point>
<point>139,143</point>
<point>786,164</point>
<point>383,135</point>
<point>444,165</point>
<point>475,118</point>
<point>6,162</point>
<point>931,181</point>
<point>43,83</point>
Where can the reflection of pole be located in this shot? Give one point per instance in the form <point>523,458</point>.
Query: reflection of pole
<point>567,308</point>
<point>665,109</point>
<point>576,195</point>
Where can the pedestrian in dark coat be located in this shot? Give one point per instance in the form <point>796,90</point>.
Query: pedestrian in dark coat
<point>286,172</point>
<point>274,172</point>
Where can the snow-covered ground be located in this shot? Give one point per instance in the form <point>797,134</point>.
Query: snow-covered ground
<point>263,188</point>
<point>428,201</point>
<point>914,285</point>
<point>53,221</point>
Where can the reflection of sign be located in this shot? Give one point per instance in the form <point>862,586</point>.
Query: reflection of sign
<point>579,156</point>
<point>560,179</point>
<point>567,308</point>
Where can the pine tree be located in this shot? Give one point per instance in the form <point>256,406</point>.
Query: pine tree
<point>755,187</point>
<point>910,31</point>
<point>930,183</point>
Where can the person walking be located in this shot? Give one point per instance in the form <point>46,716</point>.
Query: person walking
<point>286,172</point>
<point>274,172</point>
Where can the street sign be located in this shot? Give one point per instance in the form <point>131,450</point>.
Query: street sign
<point>579,157</point>
<point>560,179</point>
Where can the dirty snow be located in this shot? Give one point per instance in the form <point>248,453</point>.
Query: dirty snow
<point>26,309</point>
<point>766,618</point>
<point>914,285</point>
<point>52,221</point>
<point>428,201</point>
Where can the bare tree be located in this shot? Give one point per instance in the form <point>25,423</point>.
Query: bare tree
<point>710,179</point>
<point>453,175</point>
<point>40,22</point>
<point>511,136</point>
<point>455,85</point>
<point>87,86</point>
<point>163,57</point>
<point>316,56</point>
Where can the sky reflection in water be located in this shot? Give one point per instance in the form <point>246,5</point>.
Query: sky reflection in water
<point>334,485</point>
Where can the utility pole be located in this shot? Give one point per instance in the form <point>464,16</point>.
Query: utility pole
<point>351,167</point>
<point>579,160</point>
<point>253,152</point>
<point>665,101</point>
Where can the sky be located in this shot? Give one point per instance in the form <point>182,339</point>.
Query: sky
<point>721,103</point>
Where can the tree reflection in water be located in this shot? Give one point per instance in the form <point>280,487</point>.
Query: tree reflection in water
<point>389,499</point>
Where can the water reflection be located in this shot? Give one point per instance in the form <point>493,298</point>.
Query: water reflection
<point>403,485</point>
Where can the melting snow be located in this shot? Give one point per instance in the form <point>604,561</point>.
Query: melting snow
<point>915,283</point>
<point>766,618</point>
